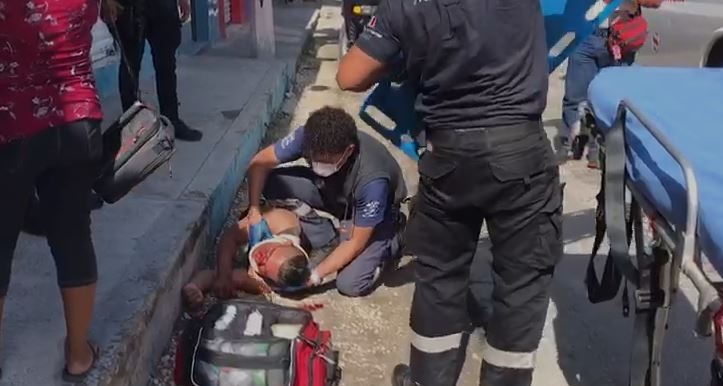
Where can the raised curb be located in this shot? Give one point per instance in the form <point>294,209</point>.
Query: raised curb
<point>148,329</point>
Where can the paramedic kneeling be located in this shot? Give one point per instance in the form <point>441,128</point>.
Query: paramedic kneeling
<point>481,72</point>
<point>353,177</point>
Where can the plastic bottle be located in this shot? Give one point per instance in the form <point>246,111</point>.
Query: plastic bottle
<point>228,316</point>
<point>254,323</point>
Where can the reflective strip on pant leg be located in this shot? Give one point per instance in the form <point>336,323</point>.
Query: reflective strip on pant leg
<point>436,345</point>
<point>508,359</point>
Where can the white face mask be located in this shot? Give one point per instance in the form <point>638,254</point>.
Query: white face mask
<point>323,169</point>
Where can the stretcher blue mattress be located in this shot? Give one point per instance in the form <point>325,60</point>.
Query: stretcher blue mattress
<point>686,105</point>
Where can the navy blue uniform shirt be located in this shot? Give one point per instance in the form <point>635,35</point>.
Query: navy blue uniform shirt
<point>475,63</point>
<point>371,206</point>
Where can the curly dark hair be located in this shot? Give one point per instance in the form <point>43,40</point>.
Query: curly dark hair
<point>329,130</point>
<point>295,271</point>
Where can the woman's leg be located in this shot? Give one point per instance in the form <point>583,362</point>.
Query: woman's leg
<point>17,174</point>
<point>63,190</point>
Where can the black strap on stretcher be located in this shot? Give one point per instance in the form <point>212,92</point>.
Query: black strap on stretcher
<point>619,266</point>
<point>607,287</point>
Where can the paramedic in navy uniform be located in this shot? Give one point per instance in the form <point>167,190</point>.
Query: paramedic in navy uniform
<point>480,68</point>
<point>352,177</point>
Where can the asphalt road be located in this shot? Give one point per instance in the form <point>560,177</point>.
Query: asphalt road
<point>684,29</point>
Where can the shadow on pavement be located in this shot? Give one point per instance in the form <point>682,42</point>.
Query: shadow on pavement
<point>404,274</point>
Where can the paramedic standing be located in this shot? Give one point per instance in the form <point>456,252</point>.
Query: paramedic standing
<point>480,68</point>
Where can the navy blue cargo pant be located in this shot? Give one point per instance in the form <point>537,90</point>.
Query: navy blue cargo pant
<point>508,177</point>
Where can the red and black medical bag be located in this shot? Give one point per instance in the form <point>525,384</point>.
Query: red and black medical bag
<point>287,348</point>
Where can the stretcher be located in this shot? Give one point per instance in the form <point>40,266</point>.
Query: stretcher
<point>662,129</point>
<point>567,23</point>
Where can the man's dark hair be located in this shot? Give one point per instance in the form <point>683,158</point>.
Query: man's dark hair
<point>329,130</point>
<point>294,272</point>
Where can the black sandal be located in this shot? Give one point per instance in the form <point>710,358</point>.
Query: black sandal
<point>77,378</point>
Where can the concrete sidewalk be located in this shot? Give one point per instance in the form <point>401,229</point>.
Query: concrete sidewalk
<point>149,242</point>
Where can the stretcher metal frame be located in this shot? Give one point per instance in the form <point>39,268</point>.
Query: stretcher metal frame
<point>654,269</point>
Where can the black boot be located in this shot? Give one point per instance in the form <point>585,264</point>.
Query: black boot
<point>185,133</point>
<point>401,376</point>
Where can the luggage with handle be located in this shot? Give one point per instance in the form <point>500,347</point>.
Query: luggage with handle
<point>137,144</point>
<point>251,343</point>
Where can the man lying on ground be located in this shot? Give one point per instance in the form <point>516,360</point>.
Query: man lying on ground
<point>277,264</point>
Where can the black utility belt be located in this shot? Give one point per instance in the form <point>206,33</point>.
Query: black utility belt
<point>450,137</point>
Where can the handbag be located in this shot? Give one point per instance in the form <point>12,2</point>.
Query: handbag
<point>134,146</point>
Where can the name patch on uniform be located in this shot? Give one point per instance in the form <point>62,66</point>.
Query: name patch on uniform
<point>371,209</point>
<point>286,141</point>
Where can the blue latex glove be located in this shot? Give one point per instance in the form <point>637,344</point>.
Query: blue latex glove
<point>259,232</point>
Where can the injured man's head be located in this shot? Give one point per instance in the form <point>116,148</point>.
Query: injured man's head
<point>281,261</point>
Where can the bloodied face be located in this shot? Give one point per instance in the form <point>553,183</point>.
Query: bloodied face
<point>281,262</point>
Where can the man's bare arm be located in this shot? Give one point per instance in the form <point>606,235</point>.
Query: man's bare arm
<point>358,71</point>
<point>259,169</point>
<point>232,239</point>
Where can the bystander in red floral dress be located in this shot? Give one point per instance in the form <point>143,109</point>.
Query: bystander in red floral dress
<point>46,78</point>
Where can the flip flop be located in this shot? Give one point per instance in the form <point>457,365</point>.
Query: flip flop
<point>77,378</point>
